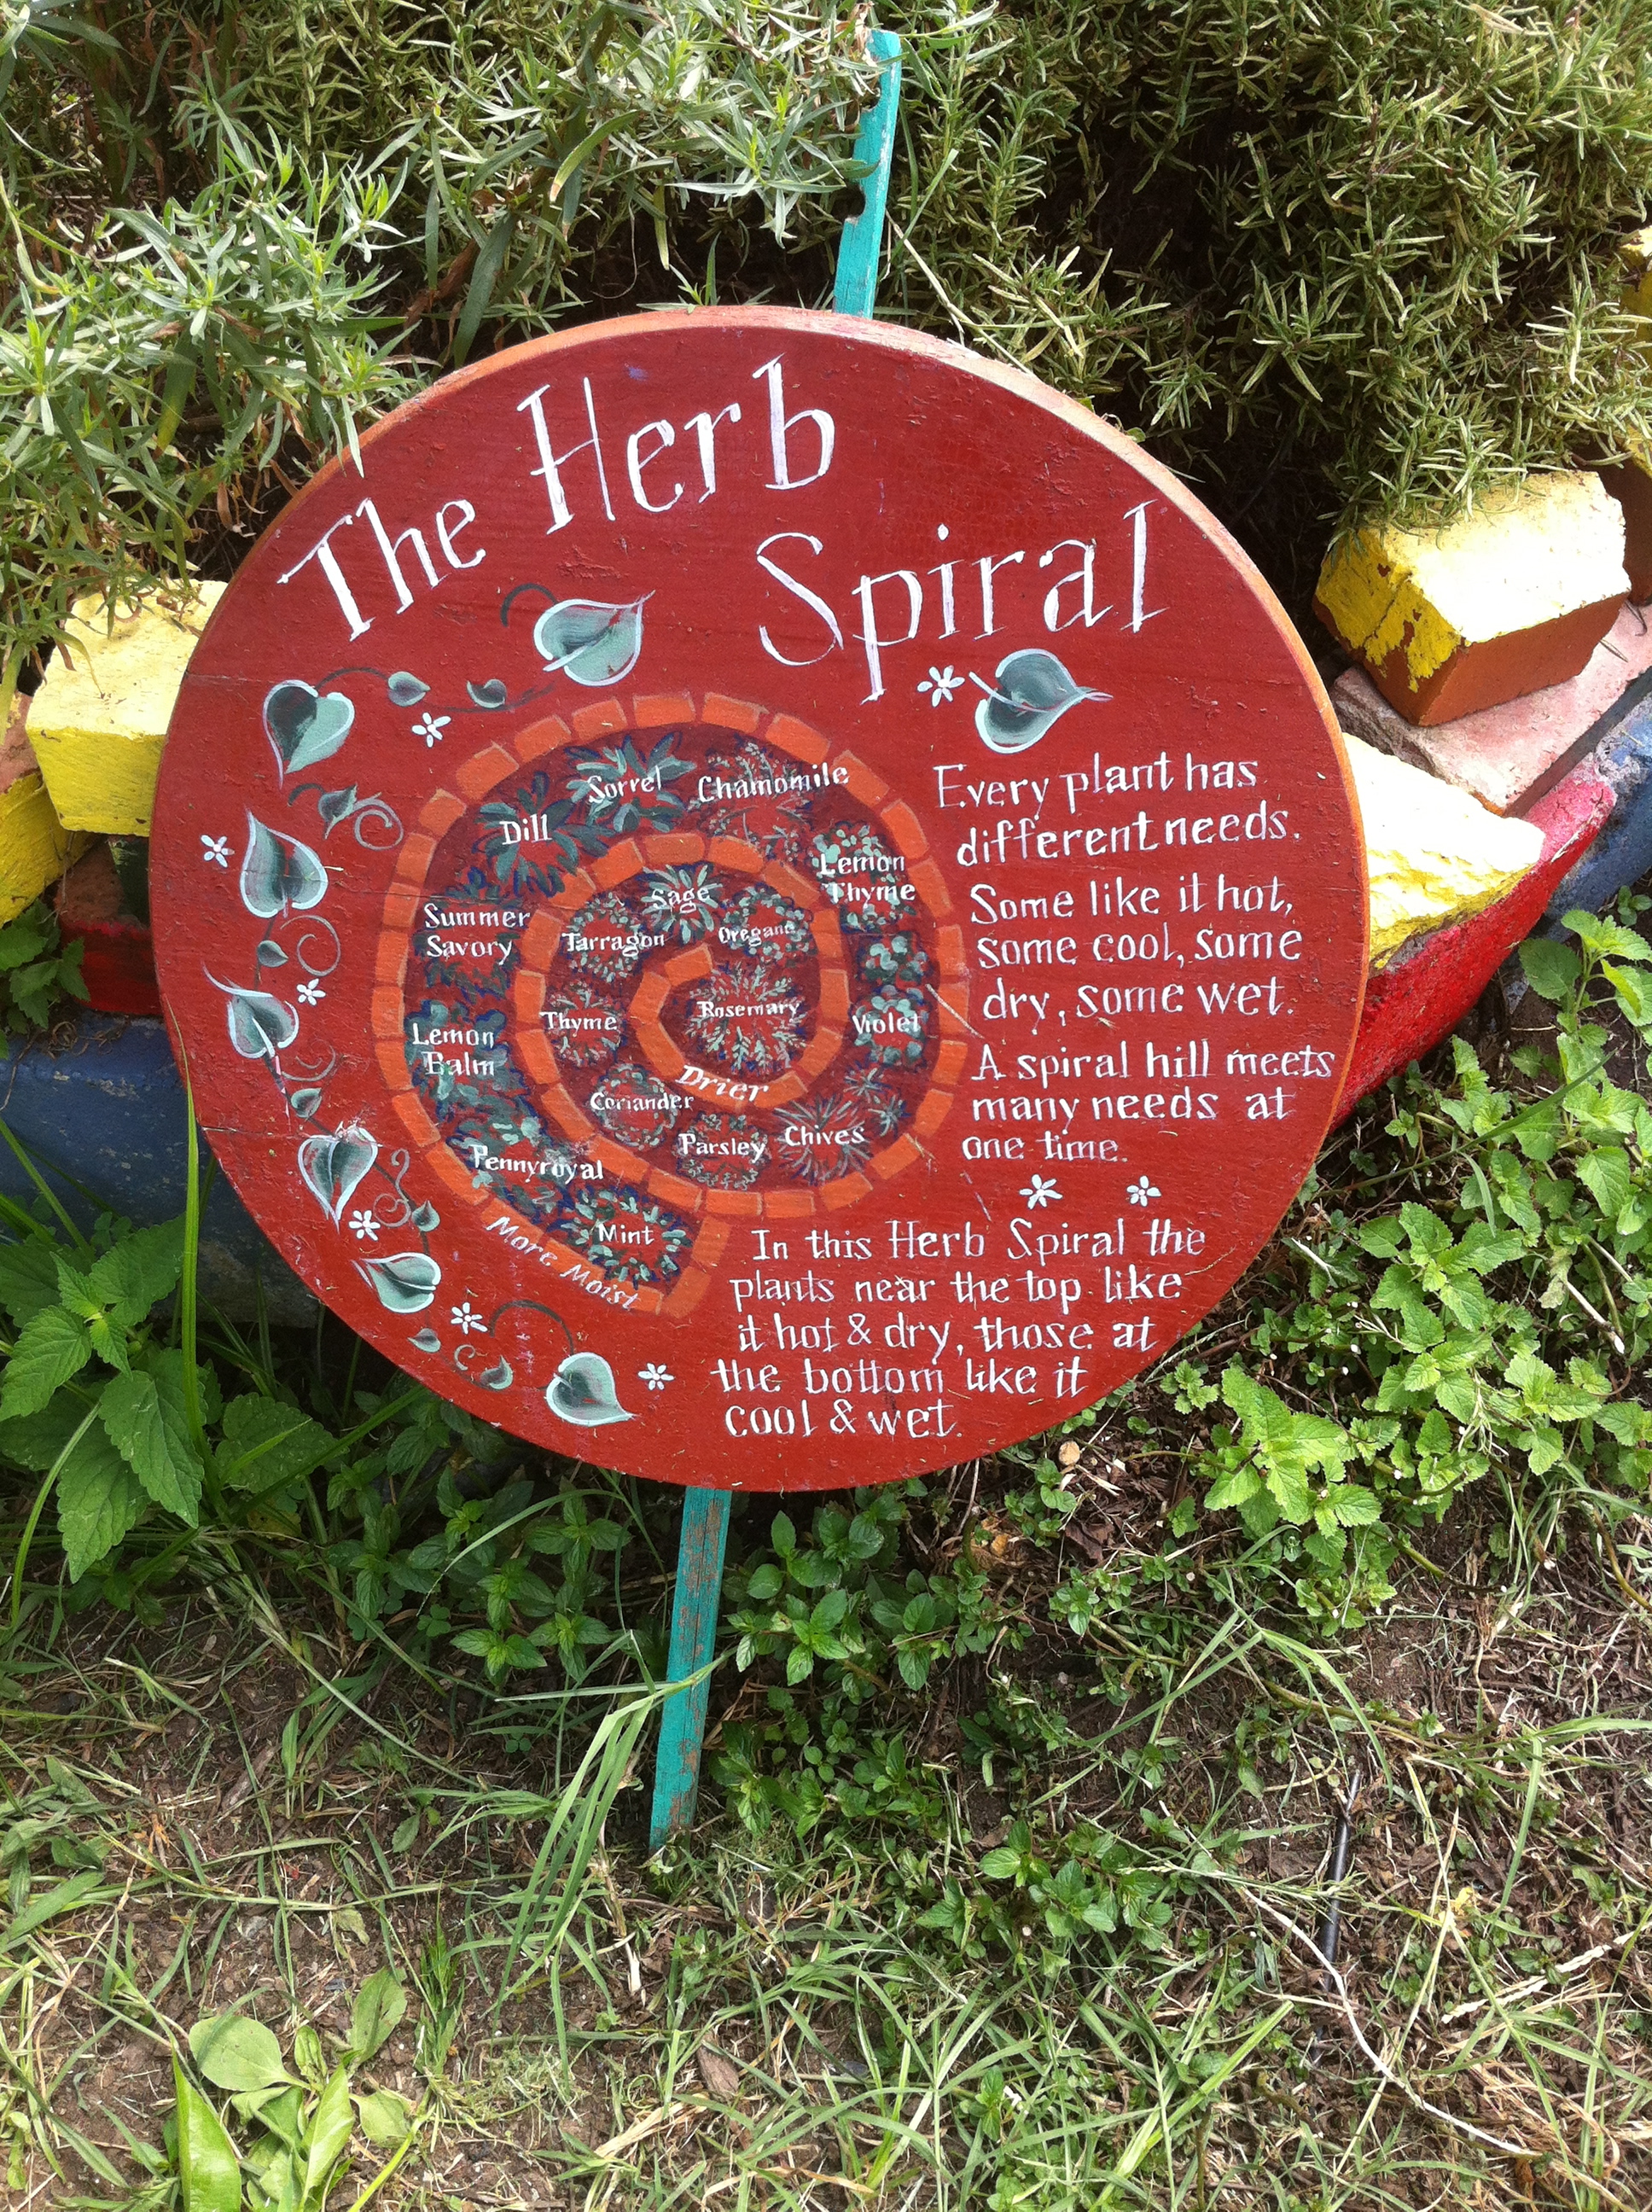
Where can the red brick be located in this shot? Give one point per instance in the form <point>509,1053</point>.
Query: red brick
<point>1506,756</point>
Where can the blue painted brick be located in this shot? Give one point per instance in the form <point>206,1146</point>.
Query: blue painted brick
<point>1622,854</point>
<point>101,1110</point>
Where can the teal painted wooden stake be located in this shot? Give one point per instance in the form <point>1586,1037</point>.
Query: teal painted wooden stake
<point>863,234</point>
<point>705,1512</point>
<point>694,1631</point>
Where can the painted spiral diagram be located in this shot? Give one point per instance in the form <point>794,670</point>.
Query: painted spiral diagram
<point>732,992</point>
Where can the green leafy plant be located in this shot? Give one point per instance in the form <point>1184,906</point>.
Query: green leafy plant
<point>102,1396</point>
<point>1496,1326</point>
<point>298,2118</point>
<point>37,969</point>
<point>1268,1471</point>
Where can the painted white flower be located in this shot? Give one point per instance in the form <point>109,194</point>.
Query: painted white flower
<point>1140,1193</point>
<point>312,993</point>
<point>430,727</point>
<point>1041,1191</point>
<point>216,850</point>
<point>655,1375</point>
<point>365,1224</point>
<point>464,1320</point>
<point>941,684</point>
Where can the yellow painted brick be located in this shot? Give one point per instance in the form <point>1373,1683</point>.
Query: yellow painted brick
<point>98,726</point>
<point>1525,557</point>
<point>35,847</point>
<point>1433,854</point>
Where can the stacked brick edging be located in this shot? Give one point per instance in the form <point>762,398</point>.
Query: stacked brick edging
<point>1545,721</point>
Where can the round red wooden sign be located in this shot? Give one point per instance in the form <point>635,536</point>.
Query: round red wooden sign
<point>750,883</point>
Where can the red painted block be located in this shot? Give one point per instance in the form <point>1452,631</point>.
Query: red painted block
<point>117,950</point>
<point>1507,757</point>
<point>1423,996</point>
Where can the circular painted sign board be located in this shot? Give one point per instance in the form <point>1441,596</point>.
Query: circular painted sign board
<point>757,899</point>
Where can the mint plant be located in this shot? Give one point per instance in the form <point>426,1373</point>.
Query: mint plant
<point>37,970</point>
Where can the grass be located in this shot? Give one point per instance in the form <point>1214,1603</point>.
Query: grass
<point>220,1811</point>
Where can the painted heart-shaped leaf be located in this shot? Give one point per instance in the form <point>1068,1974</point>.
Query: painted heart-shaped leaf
<point>592,642</point>
<point>497,1377</point>
<point>305,725</point>
<point>278,872</point>
<point>491,695</point>
<point>582,1391</point>
<point>333,1166</point>
<point>304,1103</point>
<point>405,689</point>
<point>1033,691</point>
<point>426,1340</point>
<point>260,1025</point>
<point>405,1281</point>
<point>337,806</point>
<point>270,954</point>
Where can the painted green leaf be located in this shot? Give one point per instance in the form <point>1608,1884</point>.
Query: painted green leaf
<point>99,1499</point>
<point>582,1391</point>
<point>270,954</point>
<point>492,694</point>
<point>426,1340</point>
<point>278,873</point>
<point>332,1167</point>
<point>260,1024</point>
<point>590,642</point>
<point>304,726</point>
<point>304,1103</point>
<point>235,2052</point>
<point>405,689</point>
<point>153,1437</point>
<point>209,2173</point>
<point>405,1281</point>
<point>1033,691</point>
<point>499,1376</point>
<point>379,2005</point>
